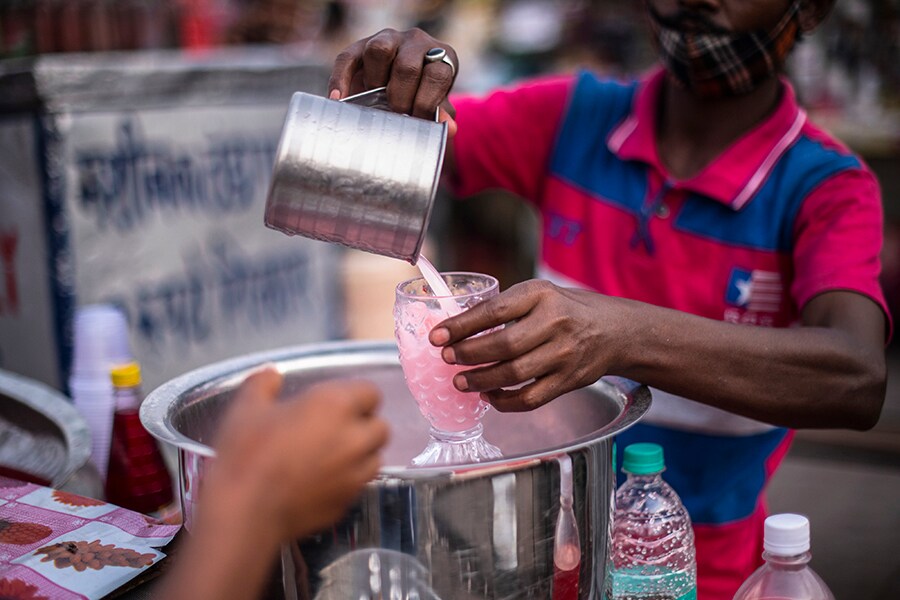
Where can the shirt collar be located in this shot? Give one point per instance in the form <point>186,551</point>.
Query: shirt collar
<point>735,176</point>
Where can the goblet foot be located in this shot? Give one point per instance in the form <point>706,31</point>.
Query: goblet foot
<point>454,448</point>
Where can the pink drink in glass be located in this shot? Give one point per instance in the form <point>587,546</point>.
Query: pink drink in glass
<point>429,378</point>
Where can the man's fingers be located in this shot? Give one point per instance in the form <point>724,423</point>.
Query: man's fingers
<point>508,306</point>
<point>508,343</point>
<point>406,73</point>
<point>531,365</point>
<point>378,57</point>
<point>346,65</point>
<point>397,60</point>
<point>446,117</point>
<point>527,397</point>
<point>363,65</point>
<point>437,79</point>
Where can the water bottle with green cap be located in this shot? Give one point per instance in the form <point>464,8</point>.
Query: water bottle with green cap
<point>653,556</point>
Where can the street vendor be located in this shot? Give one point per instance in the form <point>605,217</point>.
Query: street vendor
<point>700,235</point>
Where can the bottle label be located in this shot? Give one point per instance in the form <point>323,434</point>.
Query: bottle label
<point>691,595</point>
<point>661,584</point>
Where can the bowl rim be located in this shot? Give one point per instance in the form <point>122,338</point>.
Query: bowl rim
<point>158,408</point>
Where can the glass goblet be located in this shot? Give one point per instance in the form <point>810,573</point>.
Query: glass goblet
<point>455,416</point>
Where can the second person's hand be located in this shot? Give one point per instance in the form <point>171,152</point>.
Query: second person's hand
<point>284,469</point>
<point>398,60</point>
<point>303,460</point>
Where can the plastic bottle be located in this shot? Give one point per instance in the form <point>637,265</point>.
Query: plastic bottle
<point>137,477</point>
<point>786,574</point>
<point>653,555</point>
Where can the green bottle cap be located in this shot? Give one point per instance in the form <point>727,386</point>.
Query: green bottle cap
<point>643,459</point>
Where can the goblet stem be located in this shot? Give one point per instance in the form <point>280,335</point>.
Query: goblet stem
<point>456,437</point>
<point>451,448</point>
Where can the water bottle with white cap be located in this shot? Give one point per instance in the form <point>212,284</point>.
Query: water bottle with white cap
<point>786,574</point>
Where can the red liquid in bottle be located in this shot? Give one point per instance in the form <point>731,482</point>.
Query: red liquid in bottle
<point>137,478</point>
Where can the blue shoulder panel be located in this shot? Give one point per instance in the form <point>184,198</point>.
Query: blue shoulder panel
<point>581,156</point>
<point>802,168</point>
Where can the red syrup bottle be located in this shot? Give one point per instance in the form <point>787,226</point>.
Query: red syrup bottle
<point>137,479</point>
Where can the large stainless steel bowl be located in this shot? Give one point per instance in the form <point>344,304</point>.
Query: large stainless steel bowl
<point>482,530</point>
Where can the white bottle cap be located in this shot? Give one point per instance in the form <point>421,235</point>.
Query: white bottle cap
<point>786,535</point>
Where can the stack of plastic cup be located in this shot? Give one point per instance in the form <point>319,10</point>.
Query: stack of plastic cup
<point>100,343</point>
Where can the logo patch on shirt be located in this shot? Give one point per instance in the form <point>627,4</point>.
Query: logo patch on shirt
<point>757,291</point>
<point>563,229</point>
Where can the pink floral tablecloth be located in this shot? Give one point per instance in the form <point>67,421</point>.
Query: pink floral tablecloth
<point>58,545</point>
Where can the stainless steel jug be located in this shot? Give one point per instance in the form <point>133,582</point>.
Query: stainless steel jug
<point>478,531</point>
<point>355,173</point>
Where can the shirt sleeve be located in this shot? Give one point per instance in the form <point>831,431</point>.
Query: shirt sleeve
<point>838,240</point>
<point>505,140</point>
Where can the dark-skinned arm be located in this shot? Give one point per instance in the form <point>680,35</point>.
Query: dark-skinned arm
<point>829,372</point>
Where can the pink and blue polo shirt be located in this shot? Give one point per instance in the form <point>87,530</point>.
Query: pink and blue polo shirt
<point>784,214</point>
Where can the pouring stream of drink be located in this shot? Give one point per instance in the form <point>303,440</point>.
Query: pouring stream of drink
<point>438,287</point>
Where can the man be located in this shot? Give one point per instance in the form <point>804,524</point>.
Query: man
<point>702,235</point>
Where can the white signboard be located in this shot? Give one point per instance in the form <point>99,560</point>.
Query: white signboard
<point>165,213</point>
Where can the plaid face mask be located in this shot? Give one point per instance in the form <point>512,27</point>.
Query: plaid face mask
<point>716,65</point>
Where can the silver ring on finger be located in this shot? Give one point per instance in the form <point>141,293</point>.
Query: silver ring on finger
<point>440,55</point>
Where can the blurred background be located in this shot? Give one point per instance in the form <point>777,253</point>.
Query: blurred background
<point>150,125</point>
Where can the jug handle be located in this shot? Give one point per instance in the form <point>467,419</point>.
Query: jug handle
<point>374,99</point>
